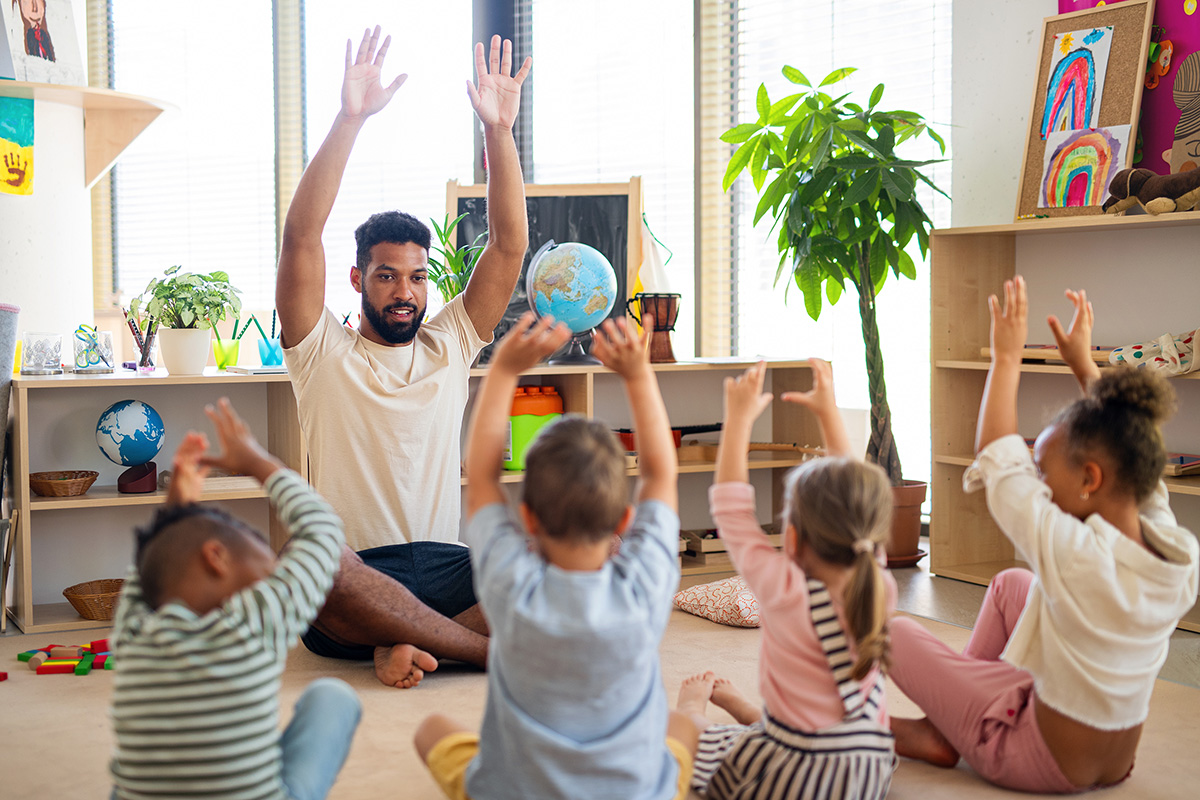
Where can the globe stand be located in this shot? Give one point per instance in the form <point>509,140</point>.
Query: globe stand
<point>575,353</point>
<point>139,480</point>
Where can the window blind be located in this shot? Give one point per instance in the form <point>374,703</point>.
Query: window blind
<point>614,100</point>
<point>198,187</point>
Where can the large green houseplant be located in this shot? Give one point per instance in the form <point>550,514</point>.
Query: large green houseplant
<point>451,271</point>
<point>186,306</point>
<point>844,204</point>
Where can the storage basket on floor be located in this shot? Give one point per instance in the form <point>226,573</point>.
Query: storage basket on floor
<point>95,599</point>
<point>63,483</point>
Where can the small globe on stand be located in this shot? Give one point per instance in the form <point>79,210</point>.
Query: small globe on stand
<point>575,284</point>
<point>130,433</point>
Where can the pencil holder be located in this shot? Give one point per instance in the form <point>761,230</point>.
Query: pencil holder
<point>226,352</point>
<point>270,352</point>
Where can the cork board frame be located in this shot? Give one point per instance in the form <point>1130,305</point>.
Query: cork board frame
<point>1119,104</point>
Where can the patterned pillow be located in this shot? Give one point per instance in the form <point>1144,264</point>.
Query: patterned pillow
<point>728,601</point>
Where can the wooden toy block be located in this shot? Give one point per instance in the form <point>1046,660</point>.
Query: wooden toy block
<point>85,666</point>
<point>67,652</point>
<point>109,662</point>
<point>100,646</point>
<point>99,662</point>
<point>26,656</point>
<point>56,669</point>
<point>37,659</point>
<point>3,676</point>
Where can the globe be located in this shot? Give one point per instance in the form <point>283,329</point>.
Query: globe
<point>573,282</point>
<point>130,433</point>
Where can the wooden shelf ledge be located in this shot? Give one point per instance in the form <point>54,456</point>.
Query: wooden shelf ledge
<point>111,120</point>
<point>1034,367</point>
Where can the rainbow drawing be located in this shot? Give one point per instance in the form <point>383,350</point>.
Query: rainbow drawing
<point>1071,95</point>
<point>1079,165</point>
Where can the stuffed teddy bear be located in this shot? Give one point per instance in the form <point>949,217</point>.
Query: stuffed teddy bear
<point>1157,194</point>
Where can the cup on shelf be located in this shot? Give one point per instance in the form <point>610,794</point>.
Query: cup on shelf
<point>41,354</point>
<point>225,351</point>
<point>270,352</point>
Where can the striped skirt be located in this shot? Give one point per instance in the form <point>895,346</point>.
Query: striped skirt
<point>853,760</point>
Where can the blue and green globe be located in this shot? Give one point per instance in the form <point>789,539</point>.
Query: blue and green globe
<point>130,433</point>
<point>573,282</point>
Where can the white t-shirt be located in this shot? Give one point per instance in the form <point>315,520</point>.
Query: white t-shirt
<point>383,425</point>
<point>1099,616</point>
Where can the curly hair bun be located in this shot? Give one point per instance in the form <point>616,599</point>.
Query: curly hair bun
<point>1142,391</point>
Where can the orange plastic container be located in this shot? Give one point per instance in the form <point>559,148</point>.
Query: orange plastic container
<point>533,408</point>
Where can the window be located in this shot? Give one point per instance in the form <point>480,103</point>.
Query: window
<point>405,154</point>
<point>906,46</point>
<point>614,91</point>
<point>199,187</point>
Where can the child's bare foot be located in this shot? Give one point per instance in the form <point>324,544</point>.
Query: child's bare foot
<point>919,739</point>
<point>725,695</point>
<point>694,693</point>
<point>402,665</point>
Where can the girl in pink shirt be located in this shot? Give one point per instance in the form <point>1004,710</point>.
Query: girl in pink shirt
<point>824,603</point>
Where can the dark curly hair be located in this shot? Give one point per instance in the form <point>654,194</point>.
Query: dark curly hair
<point>1119,419</point>
<point>389,226</point>
<point>173,536</point>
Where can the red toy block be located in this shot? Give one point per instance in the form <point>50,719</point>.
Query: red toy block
<point>100,646</point>
<point>56,669</point>
<point>99,662</point>
<point>3,676</point>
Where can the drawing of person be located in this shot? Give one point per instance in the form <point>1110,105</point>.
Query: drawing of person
<point>37,35</point>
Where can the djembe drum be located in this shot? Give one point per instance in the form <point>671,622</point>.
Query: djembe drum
<point>664,308</point>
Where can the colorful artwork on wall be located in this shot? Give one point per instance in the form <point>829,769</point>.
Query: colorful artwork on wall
<point>1177,36</point>
<point>16,145</point>
<point>1076,83</point>
<point>1078,166</point>
<point>42,41</point>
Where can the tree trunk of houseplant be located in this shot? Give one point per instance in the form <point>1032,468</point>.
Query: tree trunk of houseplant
<point>907,496</point>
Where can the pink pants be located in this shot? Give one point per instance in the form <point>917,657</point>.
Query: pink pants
<point>982,705</point>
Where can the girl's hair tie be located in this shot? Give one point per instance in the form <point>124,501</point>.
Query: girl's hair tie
<point>864,546</point>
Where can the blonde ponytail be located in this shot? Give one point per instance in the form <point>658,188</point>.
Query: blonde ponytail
<point>865,600</point>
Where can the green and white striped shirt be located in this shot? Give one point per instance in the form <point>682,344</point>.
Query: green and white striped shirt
<point>196,698</point>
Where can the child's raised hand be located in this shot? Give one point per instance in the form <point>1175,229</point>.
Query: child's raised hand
<point>744,396</point>
<point>1075,344</point>
<point>528,342</point>
<point>240,451</point>
<point>187,473</point>
<point>819,399</point>
<point>619,348</point>
<point>1010,325</point>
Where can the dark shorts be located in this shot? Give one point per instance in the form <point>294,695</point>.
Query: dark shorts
<point>437,573</point>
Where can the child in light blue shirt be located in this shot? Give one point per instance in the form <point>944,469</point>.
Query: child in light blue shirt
<point>576,705</point>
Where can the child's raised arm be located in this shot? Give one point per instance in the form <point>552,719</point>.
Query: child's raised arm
<point>520,349</point>
<point>821,402</point>
<point>187,474</point>
<point>622,351</point>
<point>998,409</point>
<point>240,451</point>
<point>1075,345</point>
<point>744,402</point>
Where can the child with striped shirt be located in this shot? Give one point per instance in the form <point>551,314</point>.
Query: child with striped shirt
<point>202,632</point>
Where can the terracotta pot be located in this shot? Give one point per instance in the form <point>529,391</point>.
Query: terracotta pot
<point>903,546</point>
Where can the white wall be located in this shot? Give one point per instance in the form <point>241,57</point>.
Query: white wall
<point>995,54</point>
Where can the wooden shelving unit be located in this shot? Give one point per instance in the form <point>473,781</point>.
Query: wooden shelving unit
<point>111,120</point>
<point>45,407</point>
<point>967,265</point>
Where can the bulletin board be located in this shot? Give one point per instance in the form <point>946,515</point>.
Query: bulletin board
<point>1084,115</point>
<point>607,216</point>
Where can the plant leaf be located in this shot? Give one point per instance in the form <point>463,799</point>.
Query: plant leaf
<point>808,280</point>
<point>796,76</point>
<point>906,266</point>
<point>863,141</point>
<point>822,150</point>
<point>780,108</point>
<point>758,163</point>
<point>862,187</point>
<point>876,95</point>
<point>771,197</point>
<point>763,104</point>
<point>835,76</point>
<point>833,290</point>
<point>740,133</point>
<point>737,162</point>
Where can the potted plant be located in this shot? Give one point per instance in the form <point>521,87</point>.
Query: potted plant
<point>846,210</point>
<point>185,307</point>
<point>451,272</point>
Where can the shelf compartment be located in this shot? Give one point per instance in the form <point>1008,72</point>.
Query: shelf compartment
<point>53,617</point>
<point>109,497</point>
<point>1189,485</point>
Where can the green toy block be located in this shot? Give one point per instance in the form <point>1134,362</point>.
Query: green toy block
<point>26,656</point>
<point>85,666</point>
<point>109,662</point>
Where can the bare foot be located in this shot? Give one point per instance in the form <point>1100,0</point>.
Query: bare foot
<point>725,695</point>
<point>402,665</point>
<point>919,739</point>
<point>694,693</point>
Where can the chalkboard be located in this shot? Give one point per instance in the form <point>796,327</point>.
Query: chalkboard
<point>606,216</point>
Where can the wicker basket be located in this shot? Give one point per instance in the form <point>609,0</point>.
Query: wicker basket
<point>65,483</point>
<point>95,599</point>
